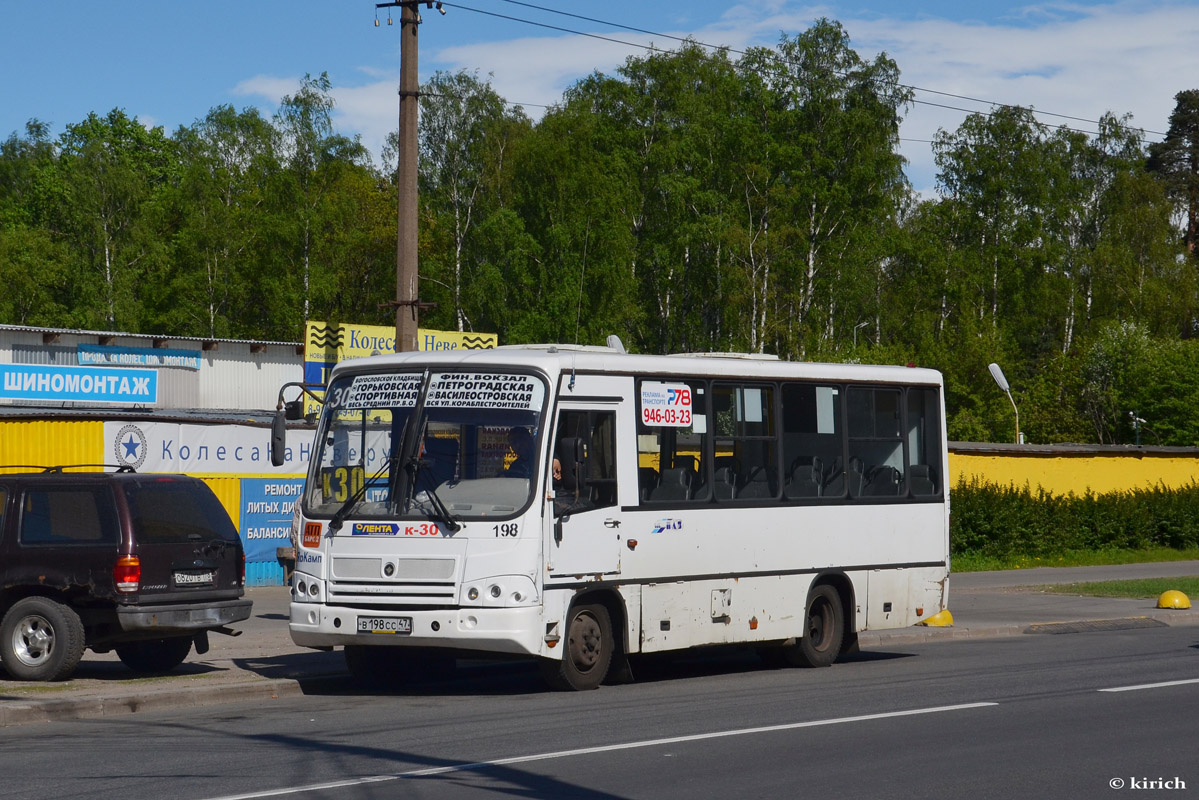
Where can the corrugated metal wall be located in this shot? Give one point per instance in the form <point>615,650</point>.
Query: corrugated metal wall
<point>244,380</point>
<point>234,374</point>
<point>51,442</point>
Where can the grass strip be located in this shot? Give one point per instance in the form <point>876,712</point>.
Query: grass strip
<point>975,562</point>
<point>1144,587</point>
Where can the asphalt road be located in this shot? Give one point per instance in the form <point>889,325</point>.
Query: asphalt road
<point>1026,716</point>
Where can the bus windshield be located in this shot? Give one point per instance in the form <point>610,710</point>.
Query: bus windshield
<point>474,436</point>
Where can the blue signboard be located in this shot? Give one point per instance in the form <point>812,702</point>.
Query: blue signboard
<point>102,355</point>
<point>266,511</point>
<point>84,384</point>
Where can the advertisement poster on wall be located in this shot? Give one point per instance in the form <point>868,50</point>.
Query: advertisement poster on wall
<point>201,449</point>
<point>266,511</point>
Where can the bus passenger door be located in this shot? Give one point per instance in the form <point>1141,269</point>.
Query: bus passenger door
<point>586,533</point>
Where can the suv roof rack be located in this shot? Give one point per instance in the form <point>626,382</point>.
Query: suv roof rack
<point>59,469</point>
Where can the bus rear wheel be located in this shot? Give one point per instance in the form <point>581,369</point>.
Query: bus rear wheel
<point>588,652</point>
<point>824,628</point>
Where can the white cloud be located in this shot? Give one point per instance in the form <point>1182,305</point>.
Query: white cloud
<point>268,86</point>
<point>536,70</point>
<point>1129,56</point>
<point>372,110</point>
<point>1124,58</point>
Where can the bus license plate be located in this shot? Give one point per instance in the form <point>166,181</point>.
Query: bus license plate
<point>395,625</point>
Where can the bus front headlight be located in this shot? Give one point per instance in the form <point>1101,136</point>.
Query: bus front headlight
<point>502,591</point>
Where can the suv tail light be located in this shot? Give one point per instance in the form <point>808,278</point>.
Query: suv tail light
<point>242,557</point>
<point>127,573</point>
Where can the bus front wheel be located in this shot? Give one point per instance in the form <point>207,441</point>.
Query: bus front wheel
<point>824,628</point>
<point>588,651</point>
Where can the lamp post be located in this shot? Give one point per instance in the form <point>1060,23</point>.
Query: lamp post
<point>855,332</point>
<point>997,374</point>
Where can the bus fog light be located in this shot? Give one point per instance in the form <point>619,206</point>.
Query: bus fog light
<point>473,594</point>
<point>436,626</point>
<point>311,617</point>
<point>470,622</point>
<point>496,591</point>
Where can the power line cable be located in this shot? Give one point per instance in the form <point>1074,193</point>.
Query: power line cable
<point>729,49</point>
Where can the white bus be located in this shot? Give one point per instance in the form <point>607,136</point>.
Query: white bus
<point>580,505</point>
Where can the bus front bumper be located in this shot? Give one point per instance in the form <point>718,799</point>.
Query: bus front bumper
<point>518,631</point>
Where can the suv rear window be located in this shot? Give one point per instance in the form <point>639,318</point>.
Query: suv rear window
<point>177,512</point>
<point>69,515</point>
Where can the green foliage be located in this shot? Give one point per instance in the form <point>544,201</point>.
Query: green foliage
<point>1176,160</point>
<point>1002,522</point>
<point>689,201</point>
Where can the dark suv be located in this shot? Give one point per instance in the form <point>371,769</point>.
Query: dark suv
<point>145,565</point>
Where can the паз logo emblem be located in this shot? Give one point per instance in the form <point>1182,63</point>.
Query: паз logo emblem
<point>130,447</point>
<point>668,525</point>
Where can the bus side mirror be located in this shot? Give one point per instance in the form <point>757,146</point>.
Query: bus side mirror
<point>279,438</point>
<point>294,409</point>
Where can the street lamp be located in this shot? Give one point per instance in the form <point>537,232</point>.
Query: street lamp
<point>997,374</point>
<point>1137,424</point>
<point>855,332</point>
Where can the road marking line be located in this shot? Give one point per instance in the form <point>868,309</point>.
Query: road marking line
<point>1150,686</point>
<point>422,773</point>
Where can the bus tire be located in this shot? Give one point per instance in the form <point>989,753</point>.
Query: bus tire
<point>588,651</point>
<point>41,640</point>
<point>824,628</point>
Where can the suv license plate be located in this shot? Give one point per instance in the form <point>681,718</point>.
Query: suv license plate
<point>193,578</point>
<point>395,625</point>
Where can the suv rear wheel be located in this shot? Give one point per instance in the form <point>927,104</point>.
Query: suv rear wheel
<point>154,655</point>
<point>41,640</point>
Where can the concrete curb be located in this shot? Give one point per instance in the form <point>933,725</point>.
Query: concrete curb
<point>116,703</point>
<point>919,635</point>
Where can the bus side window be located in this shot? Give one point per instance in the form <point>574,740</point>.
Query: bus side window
<point>813,455</point>
<point>746,447</point>
<point>924,442</point>
<point>672,463</point>
<point>876,460</point>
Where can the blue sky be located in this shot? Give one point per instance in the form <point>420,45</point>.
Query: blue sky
<point>169,63</point>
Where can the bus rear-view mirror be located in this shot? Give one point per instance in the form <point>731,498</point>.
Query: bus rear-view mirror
<point>279,438</point>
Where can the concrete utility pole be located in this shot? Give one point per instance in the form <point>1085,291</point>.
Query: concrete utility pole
<point>407,302</point>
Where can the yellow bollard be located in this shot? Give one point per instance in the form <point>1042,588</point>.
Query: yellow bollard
<point>942,619</point>
<point>1173,599</point>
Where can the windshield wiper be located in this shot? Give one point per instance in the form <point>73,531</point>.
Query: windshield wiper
<point>354,499</point>
<point>440,512</point>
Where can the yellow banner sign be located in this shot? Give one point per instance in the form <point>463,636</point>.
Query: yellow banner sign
<point>325,345</point>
